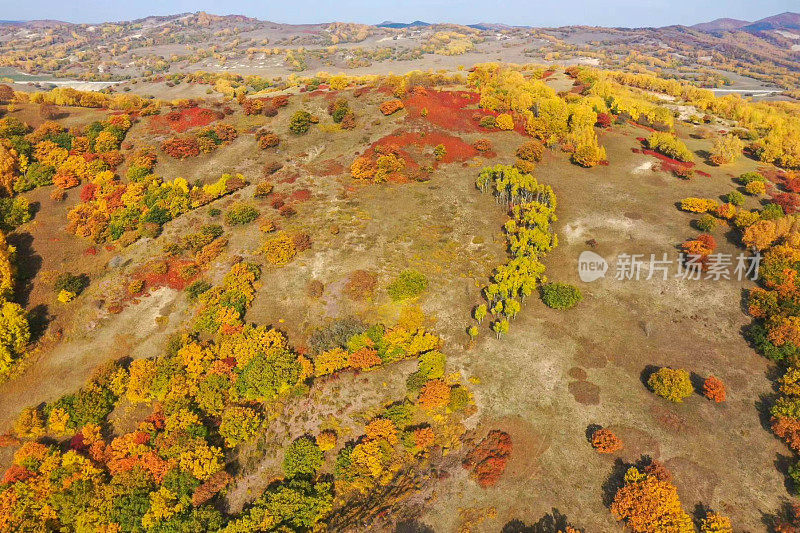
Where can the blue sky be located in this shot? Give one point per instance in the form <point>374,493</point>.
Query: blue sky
<point>628,13</point>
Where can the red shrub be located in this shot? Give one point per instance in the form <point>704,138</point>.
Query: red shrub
<point>14,474</point>
<point>88,192</point>
<point>793,185</point>
<point>788,202</point>
<point>604,120</point>
<point>788,429</point>
<point>181,148</point>
<point>604,441</point>
<point>714,389</point>
<point>482,145</point>
<point>659,471</point>
<point>488,459</point>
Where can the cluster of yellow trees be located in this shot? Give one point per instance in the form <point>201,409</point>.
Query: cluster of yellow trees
<point>772,127</point>
<point>547,116</point>
<point>14,330</point>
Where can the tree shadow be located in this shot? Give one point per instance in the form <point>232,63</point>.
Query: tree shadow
<point>591,429</point>
<point>28,264</point>
<point>412,526</point>
<point>744,305</point>
<point>553,522</point>
<point>697,382</point>
<point>763,405</point>
<point>648,371</point>
<point>614,481</point>
<point>38,319</point>
<point>782,464</point>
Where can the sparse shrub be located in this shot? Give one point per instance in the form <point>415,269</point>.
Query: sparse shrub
<point>482,145</point>
<point>71,283</point>
<point>561,295</point>
<point>315,288</point>
<point>408,284</point>
<point>336,334</point>
<point>684,173</point>
<point>706,223</point>
<point>735,197</point>
<point>263,189</point>
<point>135,286</point>
<point>749,177</point>
<point>240,214</point>
<point>181,148</point>
<point>300,123</point>
<point>488,122</point>
<point>279,250</point>
<point>267,139</point>
<point>673,384</point>
<point>439,152</point>
<point>531,151</point>
<point>361,285</point>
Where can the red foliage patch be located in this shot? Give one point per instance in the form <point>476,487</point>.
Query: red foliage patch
<point>182,120</point>
<point>301,196</point>
<point>14,474</point>
<point>410,146</point>
<point>488,459</point>
<point>447,109</point>
<point>789,201</point>
<point>667,163</point>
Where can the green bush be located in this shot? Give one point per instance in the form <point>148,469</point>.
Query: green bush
<point>240,214</point>
<point>672,384</point>
<point>771,212</point>
<point>735,198</point>
<point>71,283</point>
<point>488,122</point>
<point>300,123</point>
<point>197,288</point>
<point>303,456</point>
<point>14,212</point>
<point>706,223</point>
<point>37,175</point>
<point>561,295</point>
<point>408,284</point>
<point>749,177</point>
<point>794,474</point>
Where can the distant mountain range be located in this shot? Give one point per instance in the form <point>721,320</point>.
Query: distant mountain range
<point>400,25</point>
<point>784,21</point>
